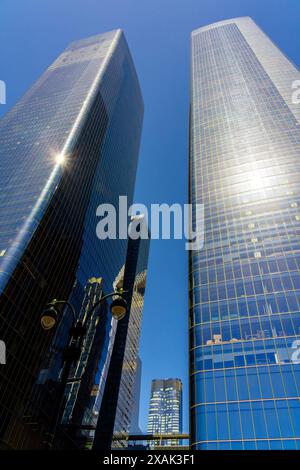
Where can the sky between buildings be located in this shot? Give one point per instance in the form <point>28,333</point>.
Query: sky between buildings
<point>33,33</point>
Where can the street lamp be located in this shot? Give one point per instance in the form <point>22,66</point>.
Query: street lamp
<point>50,314</point>
<point>49,318</point>
<point>118,308</point>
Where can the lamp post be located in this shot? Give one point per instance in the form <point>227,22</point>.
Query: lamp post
<point>71,354</point>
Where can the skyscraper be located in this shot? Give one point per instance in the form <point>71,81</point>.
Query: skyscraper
<point>244,284</point>
<point>165,409</point>
<point>70,144</point>
<point>119,395</point>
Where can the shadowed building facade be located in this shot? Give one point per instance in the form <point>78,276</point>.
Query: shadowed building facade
<point>244,284</point>
<point>70,144</point>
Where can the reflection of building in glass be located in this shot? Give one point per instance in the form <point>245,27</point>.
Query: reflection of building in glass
<point>165,410</point>
<point>84,380</point>
<point>135,413</point>
<point>118,403</point>
<point>70,144</point>
<point>244,284</point>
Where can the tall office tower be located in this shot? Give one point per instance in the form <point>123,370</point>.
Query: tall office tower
<point>165,410</point>
<point>244,283</point>
<point>118,402</point>
<point>70,144</point>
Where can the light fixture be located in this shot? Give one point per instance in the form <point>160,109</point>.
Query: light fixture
<point>118,308</point>
<point>49,317</point>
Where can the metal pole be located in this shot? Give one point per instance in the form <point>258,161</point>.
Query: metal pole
<point>61,395</point>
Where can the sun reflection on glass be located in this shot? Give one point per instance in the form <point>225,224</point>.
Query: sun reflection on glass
<point>60,158</point>
<point>255,179</point>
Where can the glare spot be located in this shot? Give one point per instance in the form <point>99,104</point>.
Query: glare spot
<point>60,158</point>
<point>255,180</point>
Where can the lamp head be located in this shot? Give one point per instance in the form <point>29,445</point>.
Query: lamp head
<point>118,307</point>
<point>49,316</point>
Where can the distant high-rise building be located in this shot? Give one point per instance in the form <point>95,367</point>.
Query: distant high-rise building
<point>119,395</point>
<point>244,284</point>
<point>165,410</point>
<point>70,144</point>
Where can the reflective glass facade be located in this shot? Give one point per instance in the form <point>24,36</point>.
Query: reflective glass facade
<point>135,277</point>
<point>87,107</point>
<point>135,414</point>
<point>83,389</point>
<point>244,285</point>
<point>119,396</point>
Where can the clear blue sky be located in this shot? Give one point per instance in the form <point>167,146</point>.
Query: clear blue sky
<point>34,32</point>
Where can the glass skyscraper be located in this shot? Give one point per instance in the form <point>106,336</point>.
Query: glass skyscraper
<point>165,410</point>
<point>70,144</point>
<point>244,285</point>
